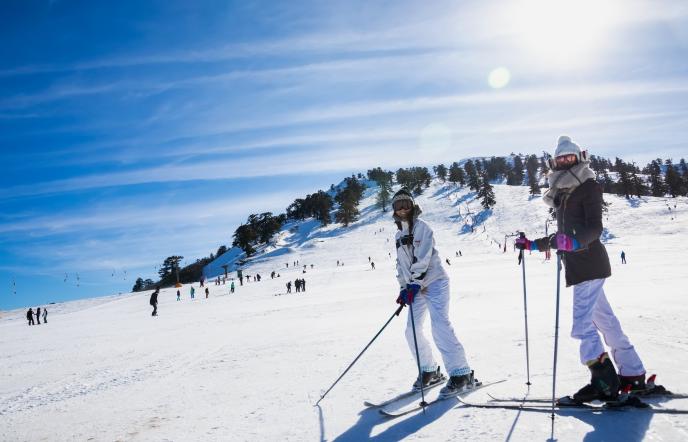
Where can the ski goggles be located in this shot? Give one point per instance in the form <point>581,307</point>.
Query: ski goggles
<point>565,161</point>
<point>402,204</point>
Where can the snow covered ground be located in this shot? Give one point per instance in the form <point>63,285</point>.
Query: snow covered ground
<point>250,366</point>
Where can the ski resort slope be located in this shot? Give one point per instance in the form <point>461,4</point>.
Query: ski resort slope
<point>251,365</point>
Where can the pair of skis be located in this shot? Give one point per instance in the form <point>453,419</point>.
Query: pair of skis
<point>630,401</point>
<point>389,409</point>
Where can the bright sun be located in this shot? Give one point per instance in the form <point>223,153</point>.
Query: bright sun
<point>564,32</point>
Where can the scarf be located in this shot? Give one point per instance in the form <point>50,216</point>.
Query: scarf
<point>566,181</point>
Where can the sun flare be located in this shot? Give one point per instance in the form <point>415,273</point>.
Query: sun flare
<point>562,32</point>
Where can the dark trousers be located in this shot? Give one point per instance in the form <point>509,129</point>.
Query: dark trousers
<point>31,321</point>
<point>155,309</point>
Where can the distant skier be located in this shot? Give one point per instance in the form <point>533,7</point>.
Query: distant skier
<point>38,316</point>
<point>303,285</point>
<point>154,301</point>
<point>424,283</point>
<point>297,285</point>
<point>288,286</point>
<point>447,261</point>
<point>193,291</point>
<point>231,287</point>
<point>577,198</point>
<point>623,257</point>
<point>29,316</point>
<point>372,265</point>
<point>207,292</point>
<point>45,315</point>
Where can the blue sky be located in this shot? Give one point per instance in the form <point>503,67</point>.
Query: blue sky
<point>134,130</point>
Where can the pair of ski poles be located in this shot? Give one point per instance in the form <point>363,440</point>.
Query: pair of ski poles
<point>522,262</point>
<point>415,342</point>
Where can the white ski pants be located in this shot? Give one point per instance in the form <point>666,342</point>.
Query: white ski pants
<point>592,313</point>
<point>435,299</point>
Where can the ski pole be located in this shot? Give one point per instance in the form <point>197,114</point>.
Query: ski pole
<point>420,372</point>
<point>396,313</point>
<point>415,341</point>
<point>556,337</point>
<point>522,259</point>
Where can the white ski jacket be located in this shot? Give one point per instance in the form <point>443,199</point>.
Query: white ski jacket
<point>417,261</point>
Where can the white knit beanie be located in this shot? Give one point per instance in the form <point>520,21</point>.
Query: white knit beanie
<point>565,146</point>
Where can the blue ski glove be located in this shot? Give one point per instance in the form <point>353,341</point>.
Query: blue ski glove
<point>401,299</point>
<point>407,295</point>
<point>411,292</point>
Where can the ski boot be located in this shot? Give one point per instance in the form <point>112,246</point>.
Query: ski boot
<point>428,378</point>
<point>632,384</point>
<point>458,384</point>
<point>638,386</point>
<point>604,382</point>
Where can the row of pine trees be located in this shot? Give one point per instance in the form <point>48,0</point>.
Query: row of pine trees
<point>658,178</point>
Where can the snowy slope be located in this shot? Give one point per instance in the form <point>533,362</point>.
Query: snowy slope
<point>250,366</point>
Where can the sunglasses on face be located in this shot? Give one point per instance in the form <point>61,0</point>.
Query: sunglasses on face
<point>565,161</point>
<point>403,204</point>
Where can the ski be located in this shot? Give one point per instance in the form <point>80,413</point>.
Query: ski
<point>542,400</point>
<point>653,391</point>
<point>541,408</point>
<point>405,395</point>
<point>415,407</point>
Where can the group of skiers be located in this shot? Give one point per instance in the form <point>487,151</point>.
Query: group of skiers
<point>299,285</point>
<point>576,198</point>
<point>38,314</point>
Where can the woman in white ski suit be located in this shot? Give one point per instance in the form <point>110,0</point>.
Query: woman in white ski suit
<point>419,268</point>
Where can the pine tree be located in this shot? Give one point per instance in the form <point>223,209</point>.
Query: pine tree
<point>534,186</point>
<point>683,169</point>
<point>456,174</point>
<point>656,185</point>
<point>244,237</point>
<point>441,172</point>
<point>168,269</point>
<point>322,204</point>
<point>607,184</point>
<point>384,194</point>
<point>639,188</point>
<point>486,194</point>
<point>349,199</point>
<point>672,179</point>
<point>531,170</point>
<point>624,186</point>
<point>515,177</point>
<point>138,285</point>
<point>473,178</point>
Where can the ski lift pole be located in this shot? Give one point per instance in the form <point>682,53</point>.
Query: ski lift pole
<point>396,313</point>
